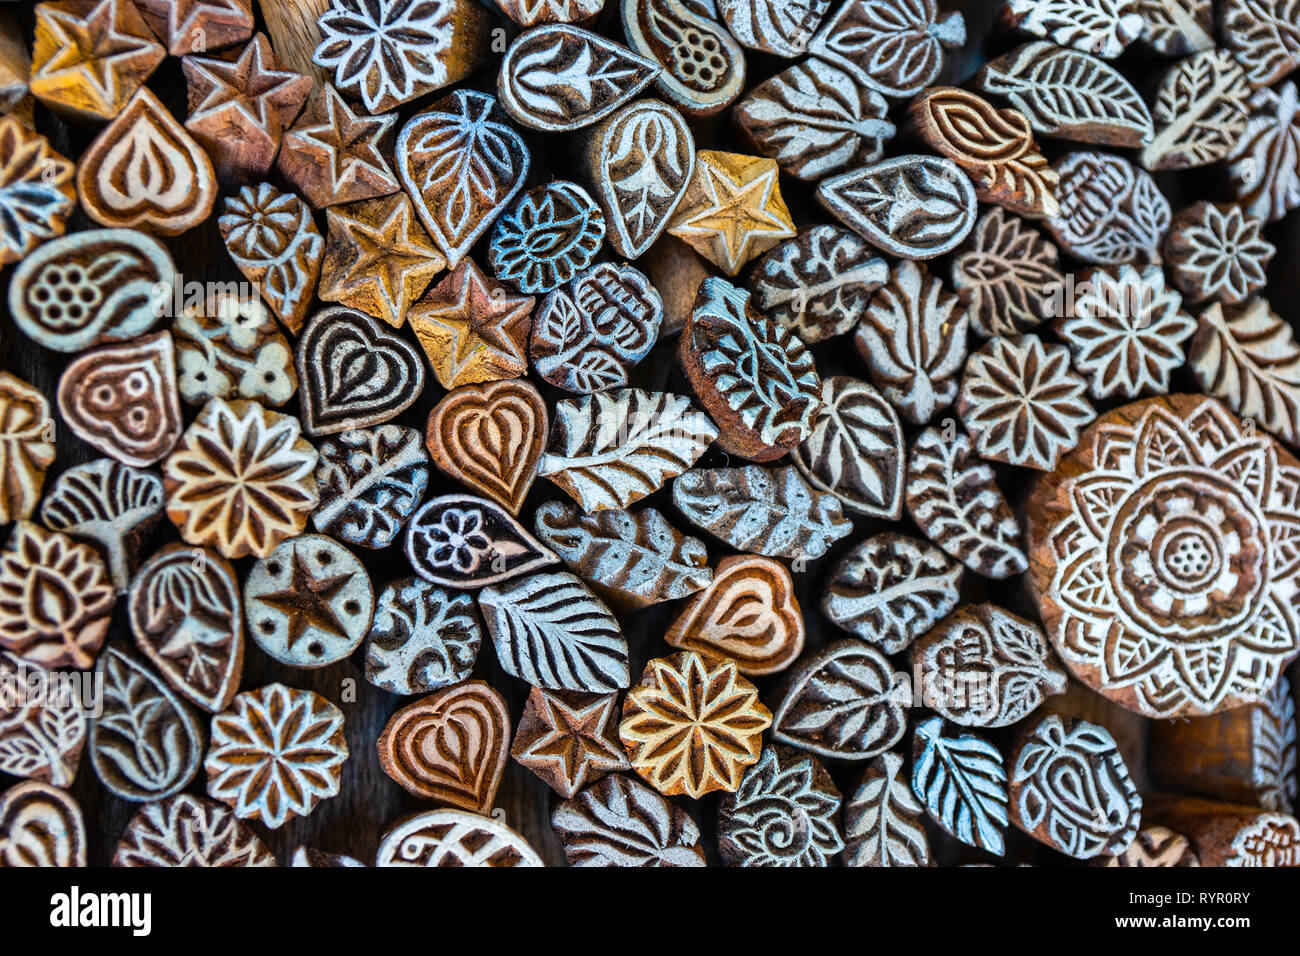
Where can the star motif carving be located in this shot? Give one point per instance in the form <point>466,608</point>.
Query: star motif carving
<point>333,155</point>
<point>566,739</point>
<point>240,103</point>
<point>471,330</point>
<point>378,258</point>
<point>733,209</point>
<point>307,602</point>
<point>87,63</point>
<point>193,26</point>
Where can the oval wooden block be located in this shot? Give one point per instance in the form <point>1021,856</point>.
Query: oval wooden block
<point>692,725</point>
<point>453,838</point>
<point>1071,789</point>
<point>845,702</point>
<point>561,77</point>
<point>1245,755</point>
<point>753,376</point>
<point>90,288</point>
<point>1228,834</point>
<point>568,739</point>
<point>275,754</point>
<point>187,617</point>
<point>631,559</point>
<point>982,666</point>
<point>1155,556</point>
<point>145,171</point>
<point>748,613</point>
<point>185,830</point>
<point>785,813</point>
<point>123,399</point>
<point>42,826</point>
<point>465,542</point>
<point>490,437</point>
<point>703,66</point>
<point>241,480</point>
<point>422,638</point>
<point>732,210</point>
<point>145,744</point>
<point>309,602</point>
<point>56,598</point>
<point>450,746</point>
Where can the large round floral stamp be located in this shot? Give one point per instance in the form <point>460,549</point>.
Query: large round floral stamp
<point>1164,555</point>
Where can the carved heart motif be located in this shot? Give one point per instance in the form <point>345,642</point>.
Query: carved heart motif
<point>748,613</point>
<point>490,437</point>
<point>450,746</point>
<point>123,399</point>
<point>40,825</point>
<point>354,372</point>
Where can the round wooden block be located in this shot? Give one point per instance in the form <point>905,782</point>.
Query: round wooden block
<point>1160,553</point>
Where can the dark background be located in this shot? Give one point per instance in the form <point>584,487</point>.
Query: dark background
<point>369,800</point>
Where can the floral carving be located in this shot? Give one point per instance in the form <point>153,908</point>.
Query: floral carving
<point>275,244</point>
<point>784,813</point>
<point>190,831</point>
<point>548,236</point>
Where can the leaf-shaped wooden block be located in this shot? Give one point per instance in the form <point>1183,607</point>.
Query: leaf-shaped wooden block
<point>846,702</point>
<point>552,632</point>
<point>891,589</point>
<point>1249,357</point>
<point>1264,36</point>
<point>613,448</point>
<point>145,744</point>
<point>1178,27</point>
<point>1006,274</point>
<point>855,451</point>
<point>913,339</point>
<point>994,146</point>
<point>467,542</point>
<point>560,77</point>
<point>1069,95</point>
<point>815,120</point>
<point>622,822</point>
<point>818,283</point>
<point>915,207</point>
<point>894,46</point>
<point>749,614</point>
<point>1101,27</point>
<point>882,822</point>
<point>952,496</point>
<point>632,559</point>
<point>1200,112</point>
<point>1111,211</point>
<point>42,726</point>
<point>963,784</point>
<point>982,666</point>
<point>768,511</point>
<point>780,27</point>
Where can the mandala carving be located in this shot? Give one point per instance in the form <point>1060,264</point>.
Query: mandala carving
<point>1216,251</point>
<point>547,237</point>
<point>1164,558</point>
<point>190,831</point>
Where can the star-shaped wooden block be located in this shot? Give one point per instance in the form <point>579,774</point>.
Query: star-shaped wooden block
<point>193,26</point>
<point>378,258</point>
<point>473,329</point>
<point>733,210</point>
<point>567,739</point>
<point>90,56</point>
<point>241,101</point>
<point>334,155</point>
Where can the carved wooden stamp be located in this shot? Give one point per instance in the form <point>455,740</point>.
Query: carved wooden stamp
<point>962,783</point>
<point>26,447</point>
<point>309,602</point>
<point>453,838</point>
<point>185,830</point>
<point>42,724</point>
<point>40,825</point>
<point>241,480</point>
<point>1153,847</point>
<point>145,171</point>
<point>569,739</point>
<point>548,235</point>
<point>370,481</point>
<point>1228,834</point>
<point>1263,180</point>
<point>450,746</point>
<point>1155,558</point>
<point>882,821</point>
<point>275,754</point>
<point>703,66</point>
<point>192,26</point>
<point>621,822</point>
<point>36,191</point>
<point>274,241</point>
<point>1200,111</point>
<point>1103,28</point>
<point>693,724</point>
<point>732,210</point>
<point>785,813</point>
<point>334,154</point>
<point>1111,211</point>
<point>1261,35</point>
<point>748,613</point>
<point>1215,251</point>
<point>894,46</point>
<point>1006,274</point>
<point>232,348</point>
<point>422,638</point>
<point>466,542</point>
